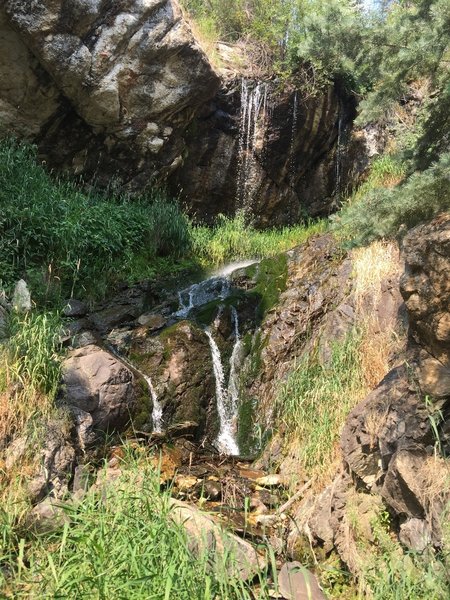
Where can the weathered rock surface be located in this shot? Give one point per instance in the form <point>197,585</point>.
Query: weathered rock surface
<point>122,94</point>
<point>392,440</point>
<point>276,156</point>
<point>101,389</point>
<point>178,361</point>
<point>204,535</point>
<point>425,286</point>
<point>297,583</point>
<point>317,307</point>
<point>106,89</point>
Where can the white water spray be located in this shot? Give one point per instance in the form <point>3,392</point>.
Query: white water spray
<point>227,397</point>
<point>253,120</point>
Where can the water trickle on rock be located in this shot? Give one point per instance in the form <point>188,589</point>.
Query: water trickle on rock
<point>227,397</point>
<point>253,120</point>
<point>157,410</point>
<point>339,154</point>
<point>292,144</point>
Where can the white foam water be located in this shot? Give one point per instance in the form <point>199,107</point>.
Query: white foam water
<point>227,397</point>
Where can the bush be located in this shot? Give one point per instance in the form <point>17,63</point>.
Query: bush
<point>381,212</point>
<point>53,232</point>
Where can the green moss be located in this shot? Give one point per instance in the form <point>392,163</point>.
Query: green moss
<point>271,281</point>
<point>144,407</point>
<point>247,441</point>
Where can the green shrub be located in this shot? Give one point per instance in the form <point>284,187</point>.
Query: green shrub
<point>381,212</point>
<point>53,232</point>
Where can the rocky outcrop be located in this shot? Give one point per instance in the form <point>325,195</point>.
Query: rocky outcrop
<point>275,154</point>
<point>394,443</point>
<point>105,89</point>
<point>99,389</point>
<point>122,95</point>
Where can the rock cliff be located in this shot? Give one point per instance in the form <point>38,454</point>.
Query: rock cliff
<point>106,89</point>
<point>122,95</point>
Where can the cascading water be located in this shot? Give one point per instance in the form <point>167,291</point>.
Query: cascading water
<point>227,397</point>
<point>214,288</point>
<point>339,155</point>
<point>157,410</point>
<point>253,119</point>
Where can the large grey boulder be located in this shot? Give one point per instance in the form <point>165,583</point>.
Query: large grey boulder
<point>107,88</point>
<point>100,389</point>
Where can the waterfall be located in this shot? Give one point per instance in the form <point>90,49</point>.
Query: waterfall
<point>214,288</point>
<point>339,154</point>
<point>157,411</point>
<point>253,119</point>
<point>292,144</point>
<point>227,397</point>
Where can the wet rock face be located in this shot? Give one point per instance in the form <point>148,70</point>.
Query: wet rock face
<point>105,88</point>
<point>178,361</point>
<point>283,145</point>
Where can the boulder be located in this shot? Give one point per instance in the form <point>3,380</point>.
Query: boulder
<point>21,300</point>
<point>297,583</point>
<point>415,534</point>
<point>204,535</point>
<point>107,89</point>
<point>58,457</point>
<point>47,517</point>
<point>178,360</point>
<point>103,388</point>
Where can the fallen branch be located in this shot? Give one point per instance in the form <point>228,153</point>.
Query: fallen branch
<point>294,498</point>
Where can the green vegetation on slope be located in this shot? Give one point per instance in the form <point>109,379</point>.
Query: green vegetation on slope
<point>57,236</point>
<point>315,401</point>
<point>117,542</point>
<point>64,241</point>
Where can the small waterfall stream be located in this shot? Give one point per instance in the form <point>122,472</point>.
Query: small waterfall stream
<point>227,396</point>
<point>219,287</point>
<point>157,410</point>
<point>253,118</point>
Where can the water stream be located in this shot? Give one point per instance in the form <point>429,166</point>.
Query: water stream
<point>157,410</point>
<point>227,397</point>
<point>253,120</point>
<point>219,287</point>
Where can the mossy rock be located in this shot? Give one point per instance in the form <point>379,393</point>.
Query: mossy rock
<point>271,280</point>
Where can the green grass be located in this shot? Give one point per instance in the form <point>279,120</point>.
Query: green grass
<point>32,350</point>
<point>64,241</point>
<point>60,238</point>
<point>388,573</point>
<point>315,401</point>
<point>121,543</point>
<point>232,239</point>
